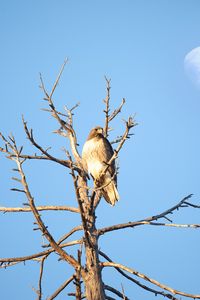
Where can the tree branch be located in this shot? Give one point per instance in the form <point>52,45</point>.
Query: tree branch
<point>35,157</point>
<point>35,256</point>
<point>40,208</point>
<point>153,281</point>
<point>64,125</point>
<point>110,117</point>
<point>114,291</point>
<point>29,134</point>
<point>77,278</point>
<point>148,221</point>
<point>107,109</point>
<point>155,292</point>
<point>40,278</point>
<point>116,111</point>
<point>61,288</point>
<point>65,236</point>
<point>79,200</point>
<point>70,259</point>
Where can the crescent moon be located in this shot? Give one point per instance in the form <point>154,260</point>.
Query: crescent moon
<point>192,65</point>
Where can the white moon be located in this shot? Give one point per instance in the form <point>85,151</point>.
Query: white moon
<point>192,65</point>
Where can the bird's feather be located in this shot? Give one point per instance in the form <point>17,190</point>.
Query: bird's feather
<point>97,151</point>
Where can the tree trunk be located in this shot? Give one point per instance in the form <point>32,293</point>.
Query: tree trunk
<point>94,287</point>
<point>93,283</point>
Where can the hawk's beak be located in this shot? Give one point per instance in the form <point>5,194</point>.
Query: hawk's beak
<point>100,130</point>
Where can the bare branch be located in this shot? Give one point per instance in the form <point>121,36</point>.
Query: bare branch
<point>79,200</point>
<point>35,256</point>
<point>107,109</point>
<point>153,281</point>
<point>109,298</point>
<point>123,293</point>
<point>138,223</point>
<point>191,204</point>
<point>77,278</point>
<point>70,113</point>
<point>58,78</point>
<point>148,221</point>
<point>67,235</point>
<point>64,125</point>
<point>155,292</point>
<point>116,292</point>
<point>40,278</point>
<point>45,156</point>
<point>34,157</point>
<point>61,288</point>
<point>109,117</point>
<point>70,259</point>
<point>40,208</point>
<point>116,111</point>
<point>29,134</point>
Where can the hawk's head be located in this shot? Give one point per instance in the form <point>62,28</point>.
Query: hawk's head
<point>96,132</point>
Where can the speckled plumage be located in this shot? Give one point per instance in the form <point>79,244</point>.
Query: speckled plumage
<point>97,151</point>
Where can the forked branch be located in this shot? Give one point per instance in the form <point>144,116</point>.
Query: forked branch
<point>13,147</point>
<point>109,117</point>
<point>149,220</point>
<point>66,124</point>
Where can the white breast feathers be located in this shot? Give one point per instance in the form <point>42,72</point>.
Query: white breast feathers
<point>90,154</point>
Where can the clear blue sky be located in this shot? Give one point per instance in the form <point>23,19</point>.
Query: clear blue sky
<point>141,46</point>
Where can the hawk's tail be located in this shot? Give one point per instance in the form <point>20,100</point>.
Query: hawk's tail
<point>110,192</point>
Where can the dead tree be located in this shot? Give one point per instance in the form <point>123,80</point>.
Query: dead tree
<point>88,269</point>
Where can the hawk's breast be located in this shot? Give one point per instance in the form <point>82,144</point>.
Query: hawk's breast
<point>92,155</point>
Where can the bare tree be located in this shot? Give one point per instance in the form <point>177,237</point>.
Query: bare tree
<point>88,264</point>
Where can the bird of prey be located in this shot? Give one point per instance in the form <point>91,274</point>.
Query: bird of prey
<point>96,153</point>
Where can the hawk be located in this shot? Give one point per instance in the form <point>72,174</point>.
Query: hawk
<point>96,153</point>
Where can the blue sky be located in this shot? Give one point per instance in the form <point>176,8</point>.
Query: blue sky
<point>141,46</point>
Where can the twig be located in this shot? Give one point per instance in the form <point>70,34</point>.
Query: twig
<point>107,109</point>
<point>40,278</point>
<point>109,298</point>
<point>191,204</point>
<point>114,291</point>
<point>77,277</point>
<point>109,117</point>
<point>123,293</point>
<point>58,78</point>
<point>116,111</point>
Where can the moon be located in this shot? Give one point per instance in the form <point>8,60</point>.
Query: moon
<point>192,66</point>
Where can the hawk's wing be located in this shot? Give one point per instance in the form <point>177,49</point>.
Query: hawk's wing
<point>107,152</point>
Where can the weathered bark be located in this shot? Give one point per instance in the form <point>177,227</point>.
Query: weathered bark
<point>94,288</point>
<point>93,282</point>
